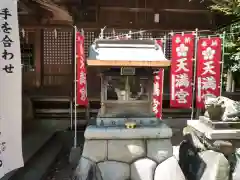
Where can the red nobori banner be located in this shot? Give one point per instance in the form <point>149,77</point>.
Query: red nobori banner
<point>158,88</point>
<point>181,70</point>
<point>208,69</point>
<point>81,90</point>
<point>160,42</point>
<point>158,93</point>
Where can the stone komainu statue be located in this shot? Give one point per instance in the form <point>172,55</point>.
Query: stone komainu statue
<point>222,109</point>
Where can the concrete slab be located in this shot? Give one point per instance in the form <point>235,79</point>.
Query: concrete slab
<point>38,166</point>
<point>33,140</point>
<point>31,144</point>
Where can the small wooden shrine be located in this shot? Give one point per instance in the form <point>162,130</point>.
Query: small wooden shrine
<point>126,68</point>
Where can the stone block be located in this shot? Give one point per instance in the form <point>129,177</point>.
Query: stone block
<point>143,169</point>
<point>95,150</point>
<point>216,166</point>
<point>126,150</point>
<point>236,172</point>
<point>159,149</point>
<point>160,131</point>
<point>27,113</point>
<point>86,170</point>
<point>169,170</point>
<point>224,147</point>
<point>112,170</point>
<point>74,156</point>
<point>176,152</point>
<point>119,121</point>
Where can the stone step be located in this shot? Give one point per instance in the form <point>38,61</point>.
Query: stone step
<point>64,111</point>
<point>81,113</point>
<point>39,165</point>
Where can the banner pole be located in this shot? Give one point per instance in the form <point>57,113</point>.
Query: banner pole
<point>75,90</point>
<point>73,80</point>
<point>222,69</point>
<point>162,78</point>
<point>194,72</point>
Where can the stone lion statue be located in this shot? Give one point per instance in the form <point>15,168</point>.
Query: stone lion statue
<point>222,108</point>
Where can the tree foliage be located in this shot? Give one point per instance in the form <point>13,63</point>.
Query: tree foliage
<point>232,38</point>
<point>228,7</point>
<point>232,46</point>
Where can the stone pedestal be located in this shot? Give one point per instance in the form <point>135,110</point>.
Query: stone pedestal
<point>223,140</point>
<point>214,134</point>
<point>117,153</point>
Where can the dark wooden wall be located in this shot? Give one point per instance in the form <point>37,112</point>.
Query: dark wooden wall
<point>46,50</point>
<point>52,70</point>
<point>174,14</point>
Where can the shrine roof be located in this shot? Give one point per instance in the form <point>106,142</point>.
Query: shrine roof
<point>58,13</point>
<point>127,53</point>
<point>46,7</point>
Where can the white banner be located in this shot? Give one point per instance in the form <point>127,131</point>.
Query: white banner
<point>10,89</point>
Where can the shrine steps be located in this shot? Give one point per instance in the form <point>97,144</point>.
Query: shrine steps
<point>52,107</point>
<point>60,107</point>
<point>171,113</point>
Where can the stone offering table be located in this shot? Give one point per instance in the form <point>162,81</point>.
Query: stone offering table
<point>118,153</point>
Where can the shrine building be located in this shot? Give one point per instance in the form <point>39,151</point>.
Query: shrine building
<point>46,31</point>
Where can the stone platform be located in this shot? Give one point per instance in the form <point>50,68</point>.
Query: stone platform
<point>220,124</point>
<point>214,134</point>
<point>117,153</point>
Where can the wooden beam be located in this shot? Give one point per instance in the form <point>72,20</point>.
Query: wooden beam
<point>23,9</point>
<point>128,63</point>
<point>194,11</point>
<point>38,56</point>
<point>148,26</point>
<point>44,26</point>
<point>23,13</point>
<point>151,10</point>
<point>60,111</point>
<point>97,10</point>
<point>136,13</point>
<point>125,9</point>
